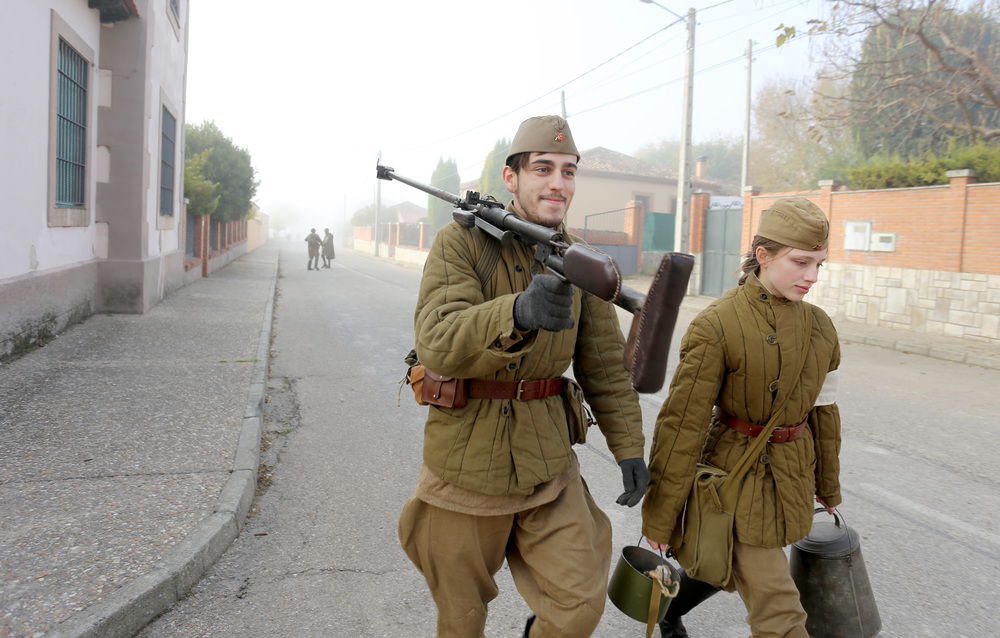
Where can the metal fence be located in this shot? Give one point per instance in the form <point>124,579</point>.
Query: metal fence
<point>605,228</point>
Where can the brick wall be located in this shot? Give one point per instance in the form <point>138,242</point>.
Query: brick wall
<point>943,276</point>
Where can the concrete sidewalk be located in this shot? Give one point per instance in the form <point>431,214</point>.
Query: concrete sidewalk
<point>130,447</point>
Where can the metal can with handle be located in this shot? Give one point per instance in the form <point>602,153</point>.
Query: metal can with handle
<point>833,584</point>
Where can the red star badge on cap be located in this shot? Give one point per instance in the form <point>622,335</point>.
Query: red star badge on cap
<point>560,137</point>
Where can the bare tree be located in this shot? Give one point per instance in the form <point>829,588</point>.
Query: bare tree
<point>921,72</point>
<point>791,148</point>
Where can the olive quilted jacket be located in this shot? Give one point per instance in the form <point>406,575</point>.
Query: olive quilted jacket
<point>465,328</point>
<point>742,353</point>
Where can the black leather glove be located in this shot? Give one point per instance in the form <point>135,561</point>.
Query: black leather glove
<point>635,478</point>
<point>547,303</point>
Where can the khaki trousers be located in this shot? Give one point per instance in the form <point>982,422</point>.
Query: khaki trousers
<point>559,556</point>
<point>764,582</point>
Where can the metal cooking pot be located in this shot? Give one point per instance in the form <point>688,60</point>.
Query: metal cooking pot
<point>633,592</point>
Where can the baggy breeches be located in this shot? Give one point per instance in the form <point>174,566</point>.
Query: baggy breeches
<point>559,556</point>
<point>764,581</point>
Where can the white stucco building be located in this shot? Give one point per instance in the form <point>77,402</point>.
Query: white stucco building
<point>91,179</point>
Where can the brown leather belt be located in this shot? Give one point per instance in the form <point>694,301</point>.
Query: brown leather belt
<point>519,390</point>
<point>780,435</point>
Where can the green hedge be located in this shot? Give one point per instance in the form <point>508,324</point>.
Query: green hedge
<point>931,170</point>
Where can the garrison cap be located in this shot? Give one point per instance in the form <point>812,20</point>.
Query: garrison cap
<point>795,222</point>
<point>543,134</point>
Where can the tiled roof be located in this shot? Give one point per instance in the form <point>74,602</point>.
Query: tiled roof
<point>406,212</point>
<point>606,161</point>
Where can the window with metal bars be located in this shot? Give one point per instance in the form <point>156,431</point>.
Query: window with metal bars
<point>71,128</point>
<point>167,153</point>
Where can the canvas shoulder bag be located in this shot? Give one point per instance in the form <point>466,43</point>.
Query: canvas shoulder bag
<point>703,542</point>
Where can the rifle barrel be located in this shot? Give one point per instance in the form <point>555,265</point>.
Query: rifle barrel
<point>388,174</point>
<point>495,215</point>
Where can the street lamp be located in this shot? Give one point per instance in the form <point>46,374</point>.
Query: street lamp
<point>662,7</point>
<point>682,218</point>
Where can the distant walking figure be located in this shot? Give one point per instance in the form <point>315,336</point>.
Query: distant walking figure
<point>327,248</point>
<point>314,243</point>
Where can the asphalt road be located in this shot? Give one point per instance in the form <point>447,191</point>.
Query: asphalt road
<point>320,557</point>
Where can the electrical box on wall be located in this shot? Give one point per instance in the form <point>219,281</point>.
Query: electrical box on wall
<point>857,235</point>
<point>883,242</point>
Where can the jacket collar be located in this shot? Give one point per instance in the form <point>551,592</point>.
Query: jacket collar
<point>756,289</point>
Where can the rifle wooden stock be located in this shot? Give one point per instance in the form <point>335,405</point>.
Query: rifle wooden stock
<point>648,344</point>
<point>654,313</point>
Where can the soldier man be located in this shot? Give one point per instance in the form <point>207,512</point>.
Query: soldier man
<point>500,478</point>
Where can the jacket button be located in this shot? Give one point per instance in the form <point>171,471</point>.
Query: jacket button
<point>765,458</point>
<point>773,386</point>
<point>512,365</point>
<point>518,268</point>
<point>763,296</point>
<point>505,410</point>
<point>498,345</point>
<point>772,339</point>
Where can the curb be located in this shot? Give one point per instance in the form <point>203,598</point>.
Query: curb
<point>128,609</point>
<point>955,356</point>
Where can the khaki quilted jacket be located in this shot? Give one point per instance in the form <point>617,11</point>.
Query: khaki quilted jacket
<point>466,329</point>
<point>741,353</point>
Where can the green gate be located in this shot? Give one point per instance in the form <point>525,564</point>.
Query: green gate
<point>722,258</point>
<point>658,232</point>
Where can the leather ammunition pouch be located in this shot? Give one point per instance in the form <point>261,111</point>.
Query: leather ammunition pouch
<point>415,377</point>
<point>578,417</point>
<point>445,392</point>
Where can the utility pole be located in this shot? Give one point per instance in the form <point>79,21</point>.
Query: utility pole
<point>378,205</point>
<point>564,104</point>
<point>682,216</point>
<point>682,219</point>
<point>745,173</point>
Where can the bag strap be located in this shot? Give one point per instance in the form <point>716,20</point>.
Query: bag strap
<point>654,610</point>
<point>732,482</point>
<point>488,262</point>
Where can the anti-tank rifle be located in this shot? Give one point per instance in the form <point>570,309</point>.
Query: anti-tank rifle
<point>654,313</point>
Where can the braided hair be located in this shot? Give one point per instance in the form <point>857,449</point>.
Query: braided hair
<point>750,264</point>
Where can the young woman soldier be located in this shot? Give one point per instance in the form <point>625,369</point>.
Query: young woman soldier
<point>738,362</point>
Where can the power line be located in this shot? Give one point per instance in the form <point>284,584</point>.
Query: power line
<point>724,37</point>
<point>607,81</point>
<point>547,93</point>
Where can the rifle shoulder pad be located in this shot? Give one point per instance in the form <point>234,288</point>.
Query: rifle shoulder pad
<point>648,341</point>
